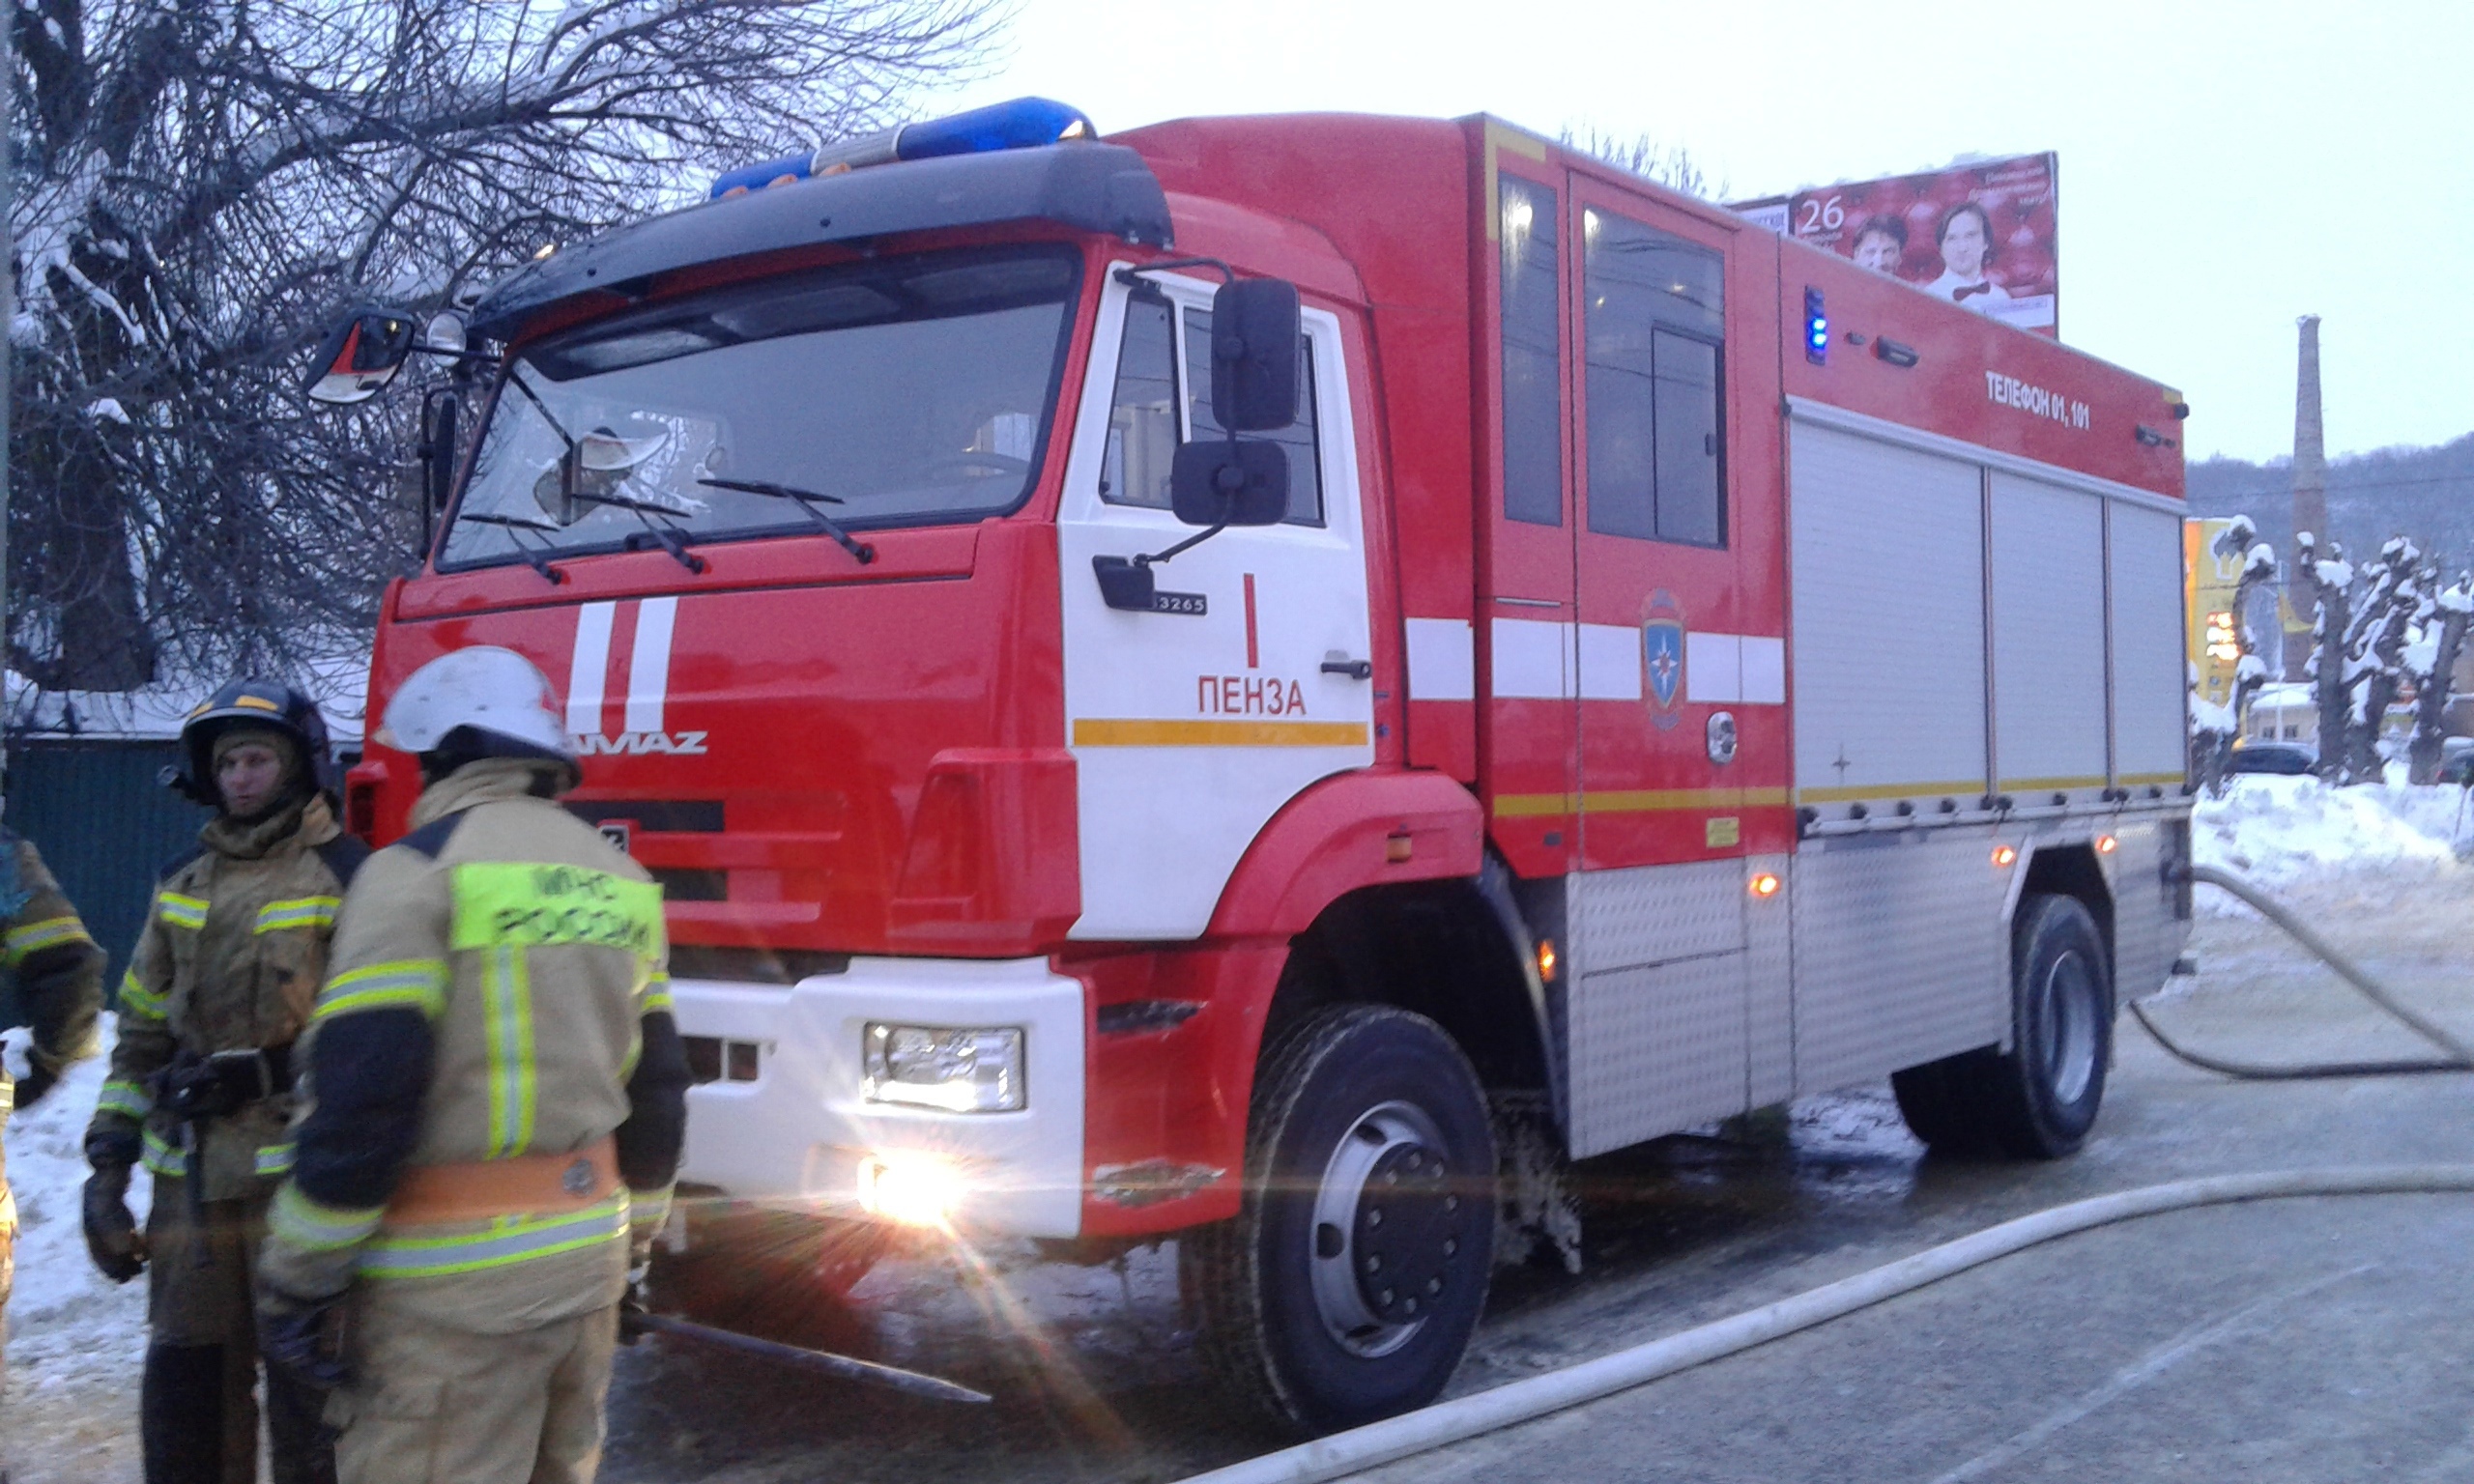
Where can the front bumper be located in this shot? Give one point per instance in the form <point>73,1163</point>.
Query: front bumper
<point>799,1132</point>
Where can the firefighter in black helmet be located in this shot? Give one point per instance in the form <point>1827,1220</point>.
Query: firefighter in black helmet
<point>200,1090</point>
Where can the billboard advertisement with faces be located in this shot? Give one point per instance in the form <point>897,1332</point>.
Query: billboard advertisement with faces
<point>1980,234</point>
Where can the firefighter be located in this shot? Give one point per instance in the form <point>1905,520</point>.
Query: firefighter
<point>491,1118</point>
<point>221,982</point>
<point>58,971</point>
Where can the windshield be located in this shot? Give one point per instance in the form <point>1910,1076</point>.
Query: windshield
<point>901,392</point>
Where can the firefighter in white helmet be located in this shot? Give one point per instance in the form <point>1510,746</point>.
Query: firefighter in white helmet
<point>493,1111</point>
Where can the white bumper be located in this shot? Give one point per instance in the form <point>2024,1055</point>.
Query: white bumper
<point>801,1129</point>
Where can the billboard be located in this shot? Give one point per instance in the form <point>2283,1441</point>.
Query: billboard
<point>1979,234</point>
<point>2211,576</point>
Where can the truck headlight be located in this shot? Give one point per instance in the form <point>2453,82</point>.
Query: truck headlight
<point>970,1071</point>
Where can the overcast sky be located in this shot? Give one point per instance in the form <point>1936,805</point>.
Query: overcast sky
<point>2224,168</point>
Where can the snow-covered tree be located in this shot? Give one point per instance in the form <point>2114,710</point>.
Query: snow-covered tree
<point>203,184</point>
<point>2382,627</point>
<point>2431,658</point>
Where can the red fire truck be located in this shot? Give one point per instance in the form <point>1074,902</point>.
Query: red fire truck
<point>1177,684</point>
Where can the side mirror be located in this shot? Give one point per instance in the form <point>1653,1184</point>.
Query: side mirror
<point>360,356</point>
<point>1214,482</point>
<point>1254,354</point>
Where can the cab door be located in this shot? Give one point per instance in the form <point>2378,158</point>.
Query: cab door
<point>1666,667</point>
<point>1194,722</point>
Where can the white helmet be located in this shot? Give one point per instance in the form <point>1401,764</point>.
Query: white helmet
<point>494,691</point>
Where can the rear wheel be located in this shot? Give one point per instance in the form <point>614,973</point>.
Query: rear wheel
<point>1346,1287</point>
<point>2038,1101</point>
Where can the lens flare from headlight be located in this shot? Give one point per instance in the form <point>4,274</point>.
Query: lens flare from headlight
<point>914,1189</point>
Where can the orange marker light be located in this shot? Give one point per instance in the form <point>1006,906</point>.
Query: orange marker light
<point>2005,855</point>
<point>2105,845</point>
<point>1546,959</point>
<point>1765,885</point>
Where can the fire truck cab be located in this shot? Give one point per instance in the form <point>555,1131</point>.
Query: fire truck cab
<point>1646,670</point>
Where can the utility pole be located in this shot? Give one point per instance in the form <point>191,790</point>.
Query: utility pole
<point>2310,495</point>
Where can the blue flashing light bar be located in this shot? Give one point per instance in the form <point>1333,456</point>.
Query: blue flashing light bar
<point>1816,328</point>
<point>1026,123</point>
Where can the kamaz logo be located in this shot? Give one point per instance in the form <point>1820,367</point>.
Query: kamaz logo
<point>631,744</point>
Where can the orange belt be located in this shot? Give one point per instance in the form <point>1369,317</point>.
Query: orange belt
<point>526,1185</point>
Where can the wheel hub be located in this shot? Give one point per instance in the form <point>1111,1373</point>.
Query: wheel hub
<point>2070,1010</point>
<point>1391,1237</point>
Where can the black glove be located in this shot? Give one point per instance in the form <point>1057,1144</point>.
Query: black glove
<point>305,1339</point>
<point>634,1307</point>
<point>112,1236</point>
<point>37,1081</point>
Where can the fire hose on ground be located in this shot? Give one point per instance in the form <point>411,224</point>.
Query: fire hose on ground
<point>2459,1057</point>
<point>1464,1417</point>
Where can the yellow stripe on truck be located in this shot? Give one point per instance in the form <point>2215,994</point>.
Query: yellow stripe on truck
<point>1098,731</point>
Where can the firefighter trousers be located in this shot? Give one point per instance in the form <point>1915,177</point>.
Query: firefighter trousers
<point>197,1401</point>
<point>435,1403</point>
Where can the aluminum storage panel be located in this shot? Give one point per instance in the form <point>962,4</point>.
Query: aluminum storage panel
<point>2147,933</point>
<point>1901,955</point>
<point>1653,914</point>
<point>1769,985</point>
<point>1656,1005</point>
<point>1888,619</point>
<point>1654,1049</point>
<point>2150,652</point>
<point>2048,640</point>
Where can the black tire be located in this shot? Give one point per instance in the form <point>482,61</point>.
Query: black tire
<point>2038,1101</point>
<point>1346,1287</point>
<point>1932,1099</point>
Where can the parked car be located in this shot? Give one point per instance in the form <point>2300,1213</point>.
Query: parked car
<point>2457,761</point>
<point>2287,757</point>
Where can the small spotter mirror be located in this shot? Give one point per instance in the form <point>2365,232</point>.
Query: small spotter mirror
<point>360,356</point>
<point>1215,483</point>
<point>1255,326</point>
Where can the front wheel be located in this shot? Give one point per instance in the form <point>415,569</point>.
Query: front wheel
<point>1346,1287</point>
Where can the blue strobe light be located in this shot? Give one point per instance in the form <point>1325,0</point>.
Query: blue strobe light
<point>1816,328</point>
<point>1026,123</point>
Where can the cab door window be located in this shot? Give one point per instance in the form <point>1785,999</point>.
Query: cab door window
<point>1654,318</point>
<point>1144,430</point>
<point>1533,391</point>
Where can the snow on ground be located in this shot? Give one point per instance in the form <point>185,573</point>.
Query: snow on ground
<point>66,1323</point>
<point>2279,831</point>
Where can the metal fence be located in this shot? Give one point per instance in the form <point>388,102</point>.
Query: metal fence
<point>104,826</point>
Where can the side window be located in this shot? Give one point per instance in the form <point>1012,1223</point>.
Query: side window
<point>1532,388</point>
<point>1655,322</point>
<point>1143,416</point>
<point>1300,439</point>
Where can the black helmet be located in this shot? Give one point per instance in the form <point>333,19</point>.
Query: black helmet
<point>268,703</point>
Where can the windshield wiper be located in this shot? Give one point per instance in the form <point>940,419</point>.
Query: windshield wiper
<point>670,539</point>
<point>859,550</point>
<point>531,557</point>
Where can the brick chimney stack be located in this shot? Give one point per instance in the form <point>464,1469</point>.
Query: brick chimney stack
<point>2309,488</point>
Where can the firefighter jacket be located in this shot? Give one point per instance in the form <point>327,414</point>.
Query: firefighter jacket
<point>229,960</point>
<point>497,1007</point>
<point>46,952</point>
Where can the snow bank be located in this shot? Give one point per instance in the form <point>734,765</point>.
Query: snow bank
<point>2278,831</point>
<point>66,1322</point>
